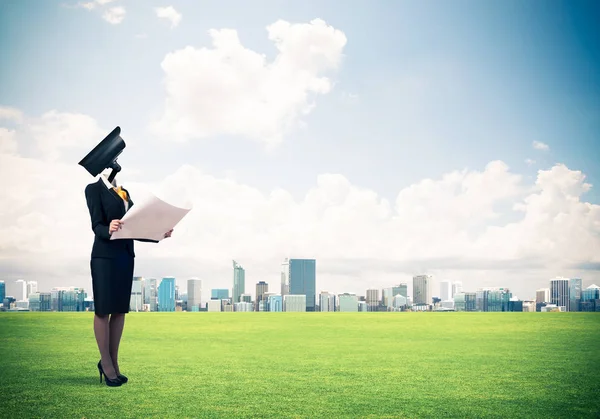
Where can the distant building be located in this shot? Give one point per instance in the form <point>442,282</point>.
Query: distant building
<point>590,298</point>
<point>151,294</point>
<point>239,282</point>
<point>372,299</point>
<point>261,288</point>
<point>559,292</point>
<point>456,288</point>
<point>275,303</point>
<point>166,294</point>
<point>301,280</point>
<point>575,286</point>
<point>445,290</point>
<point>136,301</point>
<point>422,290</point>
<point>294,303</point>
<point>219,294</point>
<point>325,301</point>
<point>542,295</point>
<point>194,294</point>
<point>348,302</point>
<point>214,305</point>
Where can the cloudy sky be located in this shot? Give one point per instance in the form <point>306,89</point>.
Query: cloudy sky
<point>384,139</point>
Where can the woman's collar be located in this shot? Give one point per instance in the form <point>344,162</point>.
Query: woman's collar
<point>106,182</point>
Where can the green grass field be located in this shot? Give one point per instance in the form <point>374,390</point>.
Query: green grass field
<point>321,365</point>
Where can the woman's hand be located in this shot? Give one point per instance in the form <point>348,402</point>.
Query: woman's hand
<point>114,226</point>
<point>168,233</point>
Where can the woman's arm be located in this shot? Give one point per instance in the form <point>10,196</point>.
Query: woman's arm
<point>92,198</point>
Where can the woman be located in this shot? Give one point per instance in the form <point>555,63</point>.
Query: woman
<point>112,272</point>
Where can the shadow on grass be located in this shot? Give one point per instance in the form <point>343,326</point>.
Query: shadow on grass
<point>83,380</point>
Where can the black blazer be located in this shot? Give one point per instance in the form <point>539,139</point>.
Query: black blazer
<point>106,205</point>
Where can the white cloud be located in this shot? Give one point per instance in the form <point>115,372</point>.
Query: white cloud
<point>56,131</point>
<point>229,89</point>
<point>453,226</point>
<point>11,114</point>
<point>170,14</point>
<point>538,145</point>
<point>8,141</point>
<point>114,15</point>
<point>529,162</point>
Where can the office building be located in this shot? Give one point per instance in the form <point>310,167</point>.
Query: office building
<point>136,301</point>
<point>245,298</point>
<point>465,301</point>
<point>32,288</point>
<point>151,293</point>
<point>542,295</point>
<point>422,290</point>
<point>575,286</point>
<point>399,302</point>
<point>372,299</point>
<point>166,294</point>
<point>261,288</point>
<point>590,298</point>
<point>294,303</point>
<point>457,287</point>
<point>285,277</point>
<point>300,279</point>
<point>559,292</point>
<point>326,301</point>
<point>194,294</point>
<point>348,302</point>
<point>219,294</point>
<point>214,305</point>
<point>275,303</point>
<point>17,289</point>
<point>445,290</point>
<point>2,291</point>
<point>401,288</point>
<point>239,282</point>
<point>40,301</point>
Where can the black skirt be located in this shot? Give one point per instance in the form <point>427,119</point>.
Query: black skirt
<point>112,279</point>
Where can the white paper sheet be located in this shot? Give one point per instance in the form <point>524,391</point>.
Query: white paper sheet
<point>149,220</point>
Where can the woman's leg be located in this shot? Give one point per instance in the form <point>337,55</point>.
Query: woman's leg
<point>102,332</point>
<point>117,323</point>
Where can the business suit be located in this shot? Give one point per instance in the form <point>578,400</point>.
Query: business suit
<point>112,261</point>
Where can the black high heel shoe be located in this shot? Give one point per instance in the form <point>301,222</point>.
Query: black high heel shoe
<point>122,378</point>
<point>111,383</point>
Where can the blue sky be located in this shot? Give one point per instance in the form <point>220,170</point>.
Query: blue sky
<point>423,89</point>
<point>496,77</point>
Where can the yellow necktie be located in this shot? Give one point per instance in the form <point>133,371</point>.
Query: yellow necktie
<point>121,193</point>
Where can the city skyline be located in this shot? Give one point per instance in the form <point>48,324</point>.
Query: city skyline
<point>386,141</point>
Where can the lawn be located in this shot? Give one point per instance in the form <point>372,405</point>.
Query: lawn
<point>318,365</point>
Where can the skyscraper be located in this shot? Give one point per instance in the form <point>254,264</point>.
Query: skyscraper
<point>261,288</point>
<point>166,294</point>
<point>302,280</point>
<point>401,288</point>
<point>32,288</point>
<point>194,294</point>
<point>324,301</point>
<point>542,295</point>
<point>17,289</point>
<point>219,294</point>
<point>456,288</point>
<point>575,286</point>
<point>559,291</point>
<point>285,277</point>
<point>136,300</point>
<point>2,291</point>
<point>422,289</point>
<point>239,282</point>
<point>372,299</point>
<point>151,293</point>
<point>445,290</point>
